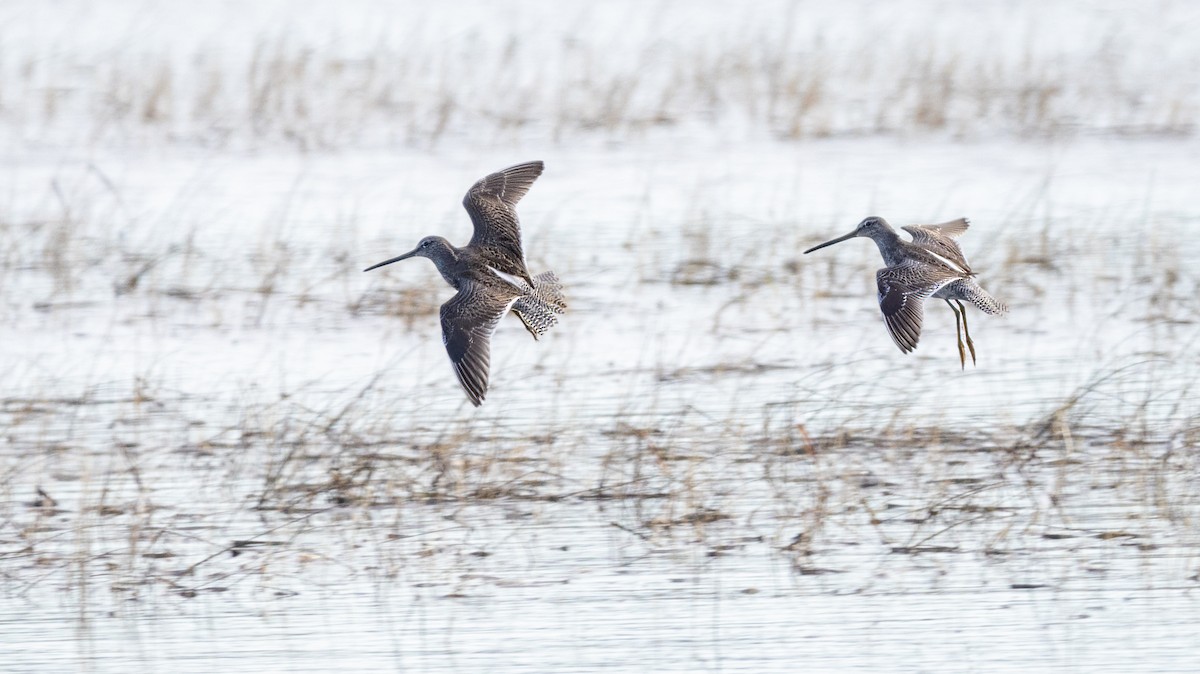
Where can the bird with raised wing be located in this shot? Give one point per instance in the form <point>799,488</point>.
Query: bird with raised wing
<point>491,277</point>
<point>931,265</point>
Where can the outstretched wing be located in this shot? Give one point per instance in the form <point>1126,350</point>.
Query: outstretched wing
<point>468,321</point>
<point>952,229</point>
<point>939,239</point>
<point>492,203</point>
<point>902,295</point>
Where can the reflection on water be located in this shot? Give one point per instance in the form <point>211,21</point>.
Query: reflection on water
<point>227,447</point>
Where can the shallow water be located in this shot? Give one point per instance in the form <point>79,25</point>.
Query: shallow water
<point>226,447</point>
<point>718,462</point>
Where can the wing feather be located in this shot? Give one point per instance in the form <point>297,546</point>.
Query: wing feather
<point>950,229</point>
<point>468,321</point>
<point>491,202</point>
<point>902,296</point>
<point>939,239</point>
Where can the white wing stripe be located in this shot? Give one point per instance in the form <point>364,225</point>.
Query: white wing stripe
<point>948,262</point>
<point>508,278</point>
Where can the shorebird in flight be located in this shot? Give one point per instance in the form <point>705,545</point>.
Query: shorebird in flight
<point>491,277</point>
<point>931,265</point>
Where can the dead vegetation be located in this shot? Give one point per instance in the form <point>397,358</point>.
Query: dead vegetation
<point>781,78</point>
<point>271,490</point>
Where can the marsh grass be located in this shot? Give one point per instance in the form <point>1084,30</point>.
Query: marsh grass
<point>123,481</point>
<point>780,78</point>
<point>207,407</point>
<point>667,478</point>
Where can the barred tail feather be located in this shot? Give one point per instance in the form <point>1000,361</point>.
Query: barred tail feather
<point>540,308</point>
<point>986,303</point>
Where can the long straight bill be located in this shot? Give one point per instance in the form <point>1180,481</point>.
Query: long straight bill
<point>395,259</point>
<point>840,239</point>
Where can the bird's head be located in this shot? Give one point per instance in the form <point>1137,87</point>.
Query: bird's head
<point>869,227</point>
<point>432,247</point>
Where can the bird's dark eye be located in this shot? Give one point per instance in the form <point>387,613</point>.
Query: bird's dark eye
<point>424,244</point>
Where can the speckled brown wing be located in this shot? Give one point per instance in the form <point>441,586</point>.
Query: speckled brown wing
<point>902,293</point>
<point>951,229</point>
<point>492,202</point>
<point>468,321</point>
<point>939,239</point>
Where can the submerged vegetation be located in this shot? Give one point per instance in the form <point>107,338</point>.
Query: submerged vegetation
<point>209,411</point>
<point>164,454</point>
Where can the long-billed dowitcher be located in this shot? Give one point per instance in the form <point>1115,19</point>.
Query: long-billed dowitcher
<point>491,277</point>
<point>931,265</point>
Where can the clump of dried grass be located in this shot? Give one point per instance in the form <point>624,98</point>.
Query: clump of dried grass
<point>767,81</point>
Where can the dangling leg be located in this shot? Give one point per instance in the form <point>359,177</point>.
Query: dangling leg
<point>962,356</point>
<point>970,344</point>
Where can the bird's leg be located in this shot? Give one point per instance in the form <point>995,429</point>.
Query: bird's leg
<point>970,344</point>
<point>962,356</point>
